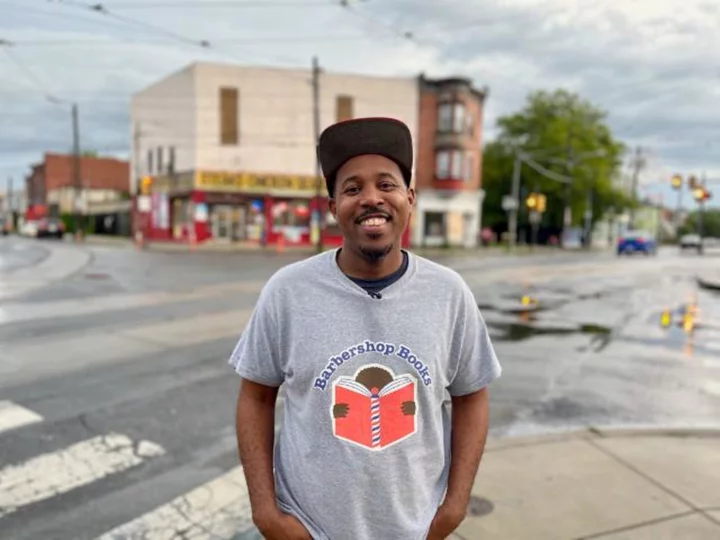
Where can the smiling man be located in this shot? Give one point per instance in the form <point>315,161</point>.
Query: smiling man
<point>385,360</point>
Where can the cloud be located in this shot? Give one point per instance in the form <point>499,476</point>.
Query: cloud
<point>651,65</point>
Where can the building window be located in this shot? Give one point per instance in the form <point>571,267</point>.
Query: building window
<point>160,162</point>
<point>434,224</point>
<point>229,121</point>
<point>442,165</point>
<point>171,161</point>
<point>469,166</point>
<point>150,162</point>
<point>452,117</point>
<point>343,108</point>
<point>453,165</point>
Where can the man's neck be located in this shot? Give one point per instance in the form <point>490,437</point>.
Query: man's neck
<point>359,267</point>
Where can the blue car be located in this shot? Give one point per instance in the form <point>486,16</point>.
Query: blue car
<point>636,242</point>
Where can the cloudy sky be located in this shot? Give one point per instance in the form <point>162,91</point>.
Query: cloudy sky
<point>652,65</point>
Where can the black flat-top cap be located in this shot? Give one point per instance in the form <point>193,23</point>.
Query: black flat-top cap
<point>382,136</point>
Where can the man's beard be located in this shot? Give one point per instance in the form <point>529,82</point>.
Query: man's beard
<point>375,254</point>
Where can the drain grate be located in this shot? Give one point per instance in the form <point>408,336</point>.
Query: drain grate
<point>479,506</point>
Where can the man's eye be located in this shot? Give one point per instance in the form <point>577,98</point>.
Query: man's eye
<point>351,190</point>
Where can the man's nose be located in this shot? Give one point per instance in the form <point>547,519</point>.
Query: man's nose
<point>371,197</point>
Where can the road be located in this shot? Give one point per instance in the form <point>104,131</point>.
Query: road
<point>117,404</point>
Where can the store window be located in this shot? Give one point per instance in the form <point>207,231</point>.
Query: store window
<point>291,214</point>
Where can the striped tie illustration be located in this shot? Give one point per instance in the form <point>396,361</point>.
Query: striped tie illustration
<point>375,417</point>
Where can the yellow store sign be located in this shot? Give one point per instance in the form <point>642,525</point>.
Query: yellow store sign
<point>255,183</point>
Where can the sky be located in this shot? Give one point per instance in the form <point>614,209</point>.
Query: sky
<point>651,65</point>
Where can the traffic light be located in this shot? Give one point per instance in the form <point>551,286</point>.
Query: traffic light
<point>677,181</point>
<point>146,185</point>
<point>531,201</point>
<point>541,202</point>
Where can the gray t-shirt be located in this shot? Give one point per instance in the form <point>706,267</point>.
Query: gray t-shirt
<point>364,450</point>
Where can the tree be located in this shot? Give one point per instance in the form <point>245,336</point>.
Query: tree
<point>710,220</point>
<point>552,127</point>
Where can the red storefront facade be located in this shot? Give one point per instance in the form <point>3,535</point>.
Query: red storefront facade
<point>246,208</point>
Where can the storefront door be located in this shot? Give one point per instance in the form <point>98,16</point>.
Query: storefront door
<point>222,223</point>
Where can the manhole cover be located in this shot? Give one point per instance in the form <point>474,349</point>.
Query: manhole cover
<point>479,506</point>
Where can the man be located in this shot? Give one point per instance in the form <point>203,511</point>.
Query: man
<point>371,344</point>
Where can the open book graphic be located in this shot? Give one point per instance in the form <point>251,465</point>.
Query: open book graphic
<point>375,422</point>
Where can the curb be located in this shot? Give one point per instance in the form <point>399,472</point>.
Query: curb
<point>708,283</point>
<point>601,432</point>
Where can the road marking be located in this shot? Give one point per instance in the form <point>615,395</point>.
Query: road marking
<point>14,416</point>
<point>55,473</point>
<point>217,510</point>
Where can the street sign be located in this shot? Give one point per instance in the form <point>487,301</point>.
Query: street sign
<point>509,203</point>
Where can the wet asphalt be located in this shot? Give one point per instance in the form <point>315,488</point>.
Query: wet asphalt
<point>580,337</point>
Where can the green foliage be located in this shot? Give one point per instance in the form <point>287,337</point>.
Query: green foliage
<point>71,227</point>
<point>711,223</point>
<point>551,127</point>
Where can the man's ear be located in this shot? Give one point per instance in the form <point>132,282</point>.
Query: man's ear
<point>333,207</point>
<point>411,196</point>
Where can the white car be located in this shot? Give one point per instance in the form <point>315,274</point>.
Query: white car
<point>689,241</point>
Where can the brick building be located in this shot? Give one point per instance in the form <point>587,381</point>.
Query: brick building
<point>227,153</point>
<point>102,196</point>
<point>449,163</point>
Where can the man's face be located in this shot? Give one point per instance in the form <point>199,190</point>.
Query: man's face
<point>372,205</point>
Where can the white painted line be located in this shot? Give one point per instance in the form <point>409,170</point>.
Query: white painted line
<point>14,416</point>
<point>55,473</point>
<point>217,510</point>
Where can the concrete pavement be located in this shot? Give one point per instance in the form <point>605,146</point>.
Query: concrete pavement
<point>613,484</point>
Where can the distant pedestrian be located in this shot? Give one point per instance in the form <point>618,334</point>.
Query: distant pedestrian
<point>372,345</point>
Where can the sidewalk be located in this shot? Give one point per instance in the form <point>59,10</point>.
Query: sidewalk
<point>599,484</point>
<point>595,484</point>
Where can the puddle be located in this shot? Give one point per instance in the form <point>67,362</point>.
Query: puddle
<point>520,331</point>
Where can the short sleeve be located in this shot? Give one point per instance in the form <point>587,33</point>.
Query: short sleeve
<point>256,356</point>
<point>475,363</point>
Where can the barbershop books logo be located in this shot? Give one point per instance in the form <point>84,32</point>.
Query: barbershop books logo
<point>375,409</point>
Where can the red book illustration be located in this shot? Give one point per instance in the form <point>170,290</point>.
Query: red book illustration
<point>374,418</point>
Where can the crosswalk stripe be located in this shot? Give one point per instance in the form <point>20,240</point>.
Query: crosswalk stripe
<point>217,510</point>
<point>14,416</point>
<point>55,473</point>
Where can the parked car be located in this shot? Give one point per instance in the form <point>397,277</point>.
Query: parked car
<point>690,241</point>
<point>50,227</point>
<point>636,242</point>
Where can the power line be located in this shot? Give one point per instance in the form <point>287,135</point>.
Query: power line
<point>217,4</point>
<point>102,10</point>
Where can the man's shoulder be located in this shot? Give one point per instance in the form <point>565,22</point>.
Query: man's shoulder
<point>440,274</point>
<point>298,272</point>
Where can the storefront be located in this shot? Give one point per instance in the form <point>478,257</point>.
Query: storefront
<point>235,207</point>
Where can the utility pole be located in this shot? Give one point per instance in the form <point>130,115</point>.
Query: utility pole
<point>515,194</point>
<point>316,127</point>
<point>77,183</point>
<point>567,213</point>
<point>637,165</point>
<point>11,202</point>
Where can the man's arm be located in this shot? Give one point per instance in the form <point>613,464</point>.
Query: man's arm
<point>470,420</point>
<point>255,425</point>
